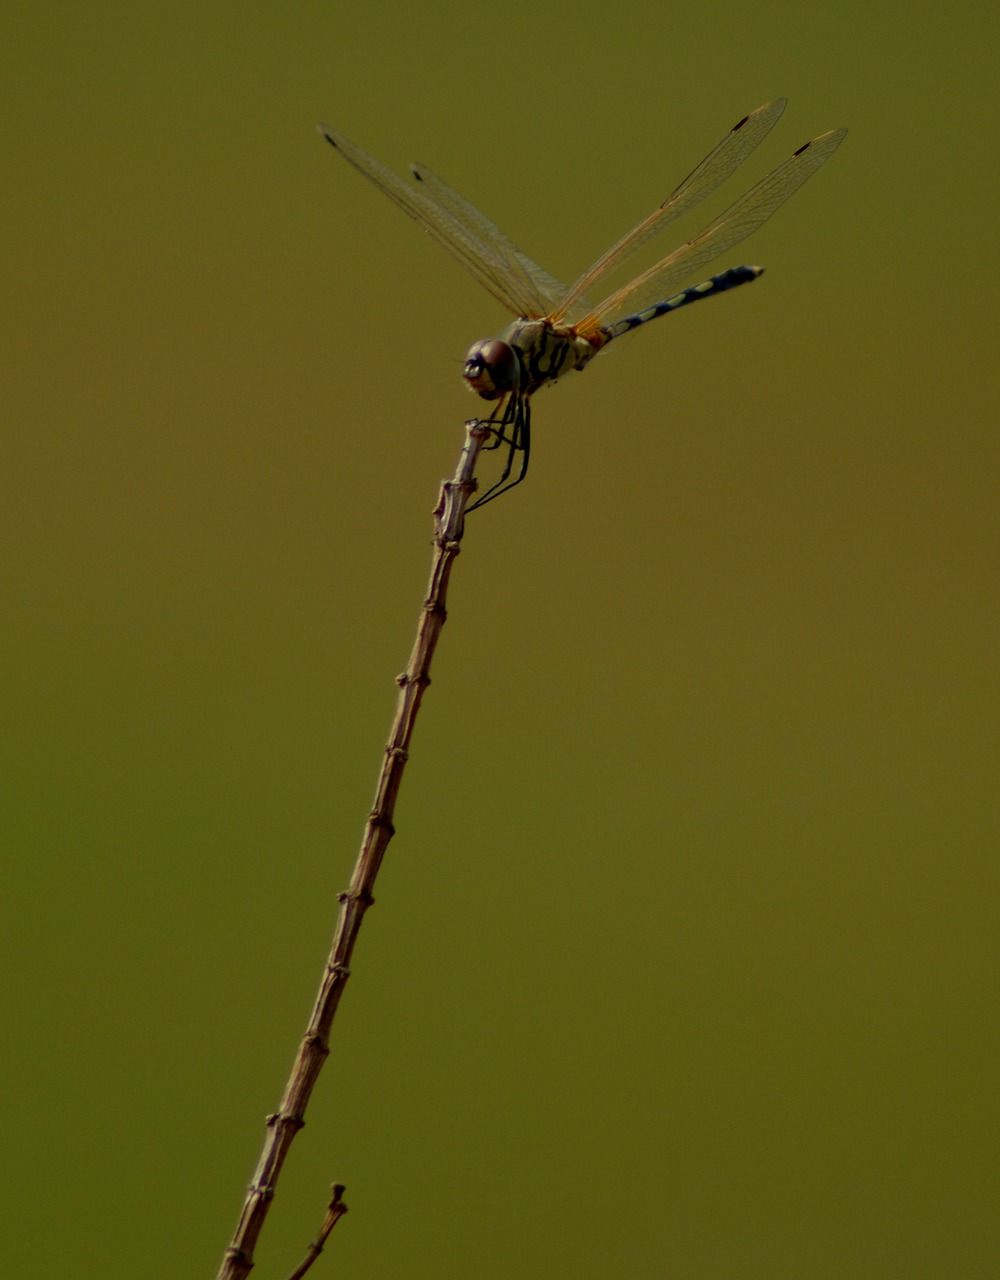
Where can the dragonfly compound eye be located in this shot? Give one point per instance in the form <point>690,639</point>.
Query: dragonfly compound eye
<point>491,368</point>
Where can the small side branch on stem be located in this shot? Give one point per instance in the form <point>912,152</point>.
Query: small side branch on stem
<point>335,1210</point>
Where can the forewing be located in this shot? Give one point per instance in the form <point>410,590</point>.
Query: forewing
<point>469,248</point>
<point>533,284</point>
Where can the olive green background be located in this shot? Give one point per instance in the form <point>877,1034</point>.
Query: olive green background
<point>684,957</point>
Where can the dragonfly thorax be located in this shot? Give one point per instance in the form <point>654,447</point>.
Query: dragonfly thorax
<point>529,354</point>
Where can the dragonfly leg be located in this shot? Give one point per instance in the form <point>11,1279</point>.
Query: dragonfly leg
<point>498,424</point>
<point>516,420</point>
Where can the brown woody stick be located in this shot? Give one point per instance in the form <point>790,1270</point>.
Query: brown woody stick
<point>335,1210</point>
<point>283,1125</point>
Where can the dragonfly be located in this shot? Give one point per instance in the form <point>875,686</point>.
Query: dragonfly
<point>558,329</point>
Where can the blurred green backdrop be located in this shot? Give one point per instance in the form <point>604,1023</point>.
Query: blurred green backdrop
<point>684,956</point>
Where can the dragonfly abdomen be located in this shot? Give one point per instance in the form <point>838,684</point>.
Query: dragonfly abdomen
<point>707,289</point>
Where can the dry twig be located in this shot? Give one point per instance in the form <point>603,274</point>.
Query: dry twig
<point>283,1125</point>
<point>335,1210</point>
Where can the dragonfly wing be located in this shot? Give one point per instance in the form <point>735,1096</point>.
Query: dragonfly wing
<point>720,164</point>
<point>531,281</point>
<point>469,248</point>
<point>739,221</point>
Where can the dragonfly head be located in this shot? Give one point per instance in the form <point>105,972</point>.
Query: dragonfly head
<point>492,368</point>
